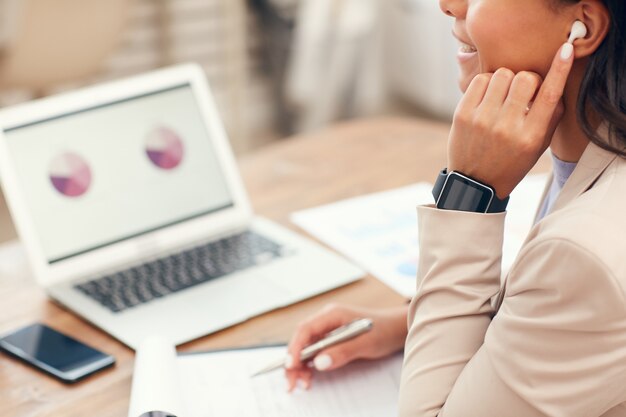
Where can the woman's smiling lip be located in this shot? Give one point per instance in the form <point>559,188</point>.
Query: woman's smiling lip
<point>466,51</point>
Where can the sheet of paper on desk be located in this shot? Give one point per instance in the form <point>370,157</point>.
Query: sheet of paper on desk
<point>379,231</point>
<point>218,384</point>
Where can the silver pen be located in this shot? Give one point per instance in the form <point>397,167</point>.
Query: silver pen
<point>340,334</point>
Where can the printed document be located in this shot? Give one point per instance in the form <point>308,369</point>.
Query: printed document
<point>378,231</point>
<point>219,384</point>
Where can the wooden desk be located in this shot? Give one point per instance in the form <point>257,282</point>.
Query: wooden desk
<point>343,161</point>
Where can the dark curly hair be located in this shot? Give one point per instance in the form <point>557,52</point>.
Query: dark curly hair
<point>603,88</point>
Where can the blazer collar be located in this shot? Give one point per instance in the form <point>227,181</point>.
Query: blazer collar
<point>544,195</point>
<point>590,167</point>
<point>593,162</point>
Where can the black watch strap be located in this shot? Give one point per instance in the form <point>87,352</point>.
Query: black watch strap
<point>441,180</point>
<point>496,206</point>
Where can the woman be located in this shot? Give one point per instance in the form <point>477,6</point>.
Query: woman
<point>552,340</point>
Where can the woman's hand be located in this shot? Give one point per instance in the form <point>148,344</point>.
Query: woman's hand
<point>386,337</point>
<point>495,138</point>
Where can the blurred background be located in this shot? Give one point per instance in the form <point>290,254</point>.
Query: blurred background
<point>276,67</point>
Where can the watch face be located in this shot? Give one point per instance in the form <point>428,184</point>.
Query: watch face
<point>464,194</point>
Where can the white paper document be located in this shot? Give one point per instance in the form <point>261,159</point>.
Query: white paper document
<point>219,384</point>
<point>379,231</point>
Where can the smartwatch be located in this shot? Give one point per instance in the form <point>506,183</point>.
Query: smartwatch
<point>457,191</point>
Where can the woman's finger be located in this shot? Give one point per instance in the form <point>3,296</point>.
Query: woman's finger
<point>306,378</point>
<point>554,122</point>
<point>522,91</point>
<point>302,374</point>
<point>474,94</point>
<point>540,117</point>
<point>307,333</point>
<point>340,355</point>
<point>312,330</point>
<point>497,91</point>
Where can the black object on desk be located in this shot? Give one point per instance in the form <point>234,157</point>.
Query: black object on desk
<point>54,353</point>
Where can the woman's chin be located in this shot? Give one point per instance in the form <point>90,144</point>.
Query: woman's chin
<point>467,71</point>
<point>464,83</point>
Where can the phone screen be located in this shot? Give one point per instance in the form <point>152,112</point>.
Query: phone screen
<point>54,352</point>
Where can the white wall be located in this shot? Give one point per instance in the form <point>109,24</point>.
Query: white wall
<point>221,35</point>
<point>421,62</point>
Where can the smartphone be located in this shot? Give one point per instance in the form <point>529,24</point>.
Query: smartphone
<point>55,353</point>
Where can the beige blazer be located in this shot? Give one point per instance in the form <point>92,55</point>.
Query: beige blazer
<point>554,342</point>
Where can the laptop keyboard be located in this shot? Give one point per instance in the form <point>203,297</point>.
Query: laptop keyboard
<point>141,284</point>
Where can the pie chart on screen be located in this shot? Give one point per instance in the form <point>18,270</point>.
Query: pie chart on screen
<point>70,174</point>
<point>164,148</point>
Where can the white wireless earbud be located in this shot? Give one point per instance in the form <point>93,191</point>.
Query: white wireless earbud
<point>579,30</point>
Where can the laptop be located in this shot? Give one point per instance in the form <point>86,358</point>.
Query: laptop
<point>128,201</point>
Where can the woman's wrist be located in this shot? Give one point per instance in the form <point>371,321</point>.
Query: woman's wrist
<point>458,191</point>
<point>398,329</point>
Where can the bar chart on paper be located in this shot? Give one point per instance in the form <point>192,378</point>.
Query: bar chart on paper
<point>379,231</point>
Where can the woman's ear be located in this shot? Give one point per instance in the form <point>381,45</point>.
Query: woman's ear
<point>595,15</point>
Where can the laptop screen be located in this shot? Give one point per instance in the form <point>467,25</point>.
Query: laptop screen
<point>105,174</point>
